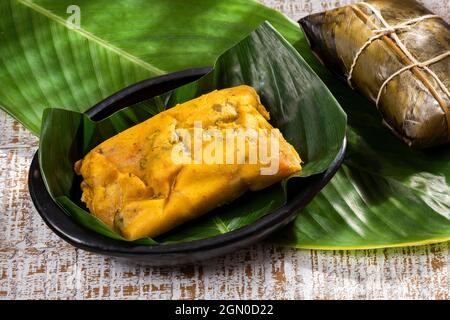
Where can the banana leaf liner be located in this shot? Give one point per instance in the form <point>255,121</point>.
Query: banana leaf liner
<point>397,53</point>
<point>300,106</point>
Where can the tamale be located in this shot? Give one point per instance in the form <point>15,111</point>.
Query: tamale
<point>133,183</point>
<point>397,53</point>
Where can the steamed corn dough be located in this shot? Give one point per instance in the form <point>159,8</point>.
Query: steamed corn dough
<point>132,184</point>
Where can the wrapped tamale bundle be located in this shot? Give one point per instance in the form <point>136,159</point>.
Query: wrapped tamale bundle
<point>157,175</point>
<point>397,53</point>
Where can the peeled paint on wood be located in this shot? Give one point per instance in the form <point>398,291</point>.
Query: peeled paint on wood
<point>413,104</point>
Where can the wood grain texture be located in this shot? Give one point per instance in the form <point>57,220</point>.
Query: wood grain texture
<point>36,264</point>
<point>297,9</point>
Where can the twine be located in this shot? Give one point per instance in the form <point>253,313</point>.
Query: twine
<point>381,33</point>
<point>391,30</point>
<point>424,64</point>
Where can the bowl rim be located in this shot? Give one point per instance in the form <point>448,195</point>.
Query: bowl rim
<point>75,234</point>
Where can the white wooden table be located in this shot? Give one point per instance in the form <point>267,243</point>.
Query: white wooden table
<point>34,263</point>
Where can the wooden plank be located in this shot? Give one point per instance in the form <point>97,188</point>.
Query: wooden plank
<point>297,9</point>
<point>259,272</point>
<point>34,263</point>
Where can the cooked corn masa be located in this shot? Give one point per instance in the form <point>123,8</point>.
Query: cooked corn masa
<point>132,183</point>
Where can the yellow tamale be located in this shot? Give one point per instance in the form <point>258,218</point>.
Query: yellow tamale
<point>134,184</point>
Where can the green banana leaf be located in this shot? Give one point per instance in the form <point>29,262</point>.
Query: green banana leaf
<point>385,195</point>
<point>299,103</point>
<point>45,63</point>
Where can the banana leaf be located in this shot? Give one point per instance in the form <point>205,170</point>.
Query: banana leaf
<point>299,104</point>
<point>413,105</point>
<point>45,62</point>
<point>386,194</point>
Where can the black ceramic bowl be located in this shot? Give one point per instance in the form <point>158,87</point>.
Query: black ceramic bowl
<point>183,253</point>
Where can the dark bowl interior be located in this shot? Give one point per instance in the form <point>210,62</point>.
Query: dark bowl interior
<point>171,254</point>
